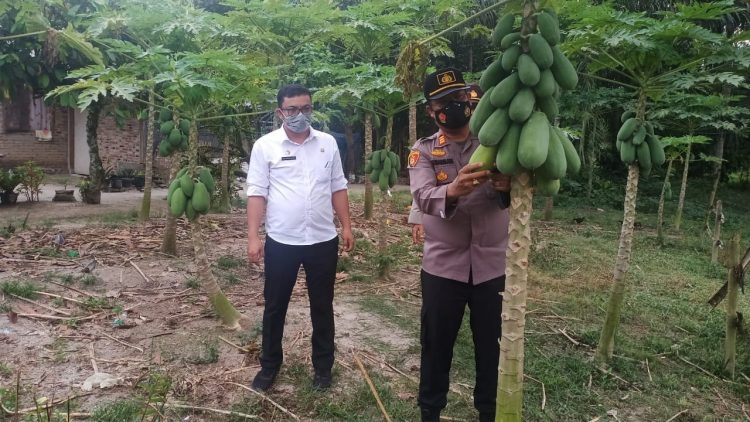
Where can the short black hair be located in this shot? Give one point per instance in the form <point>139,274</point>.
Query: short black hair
<point>291,90</point>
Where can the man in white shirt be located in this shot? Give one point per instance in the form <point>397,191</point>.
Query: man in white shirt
<point>295,176</point>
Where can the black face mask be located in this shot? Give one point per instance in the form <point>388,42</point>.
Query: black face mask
<point>453,115</point>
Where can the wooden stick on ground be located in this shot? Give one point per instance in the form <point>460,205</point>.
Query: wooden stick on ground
<point>649,372</point>
<point>93,359</point>
<point>265,397</point>
<point>122,342</point>
<point>544,392</point>
<point>238,347</point>
<point>35,408</point>
<point>139,271</point>
<point>223,412</point>
<point>71,288</point>
<point>41,305</point>
<point>372,387</point>
<point>67,299</point>
<point>57,318</point>
<point>697,367</point>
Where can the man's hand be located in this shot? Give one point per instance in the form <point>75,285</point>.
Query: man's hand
<point>467,180</point>
<point>347,239</point>
<point>254,249</point>
<point>417,233</point>
<point>500,182</point>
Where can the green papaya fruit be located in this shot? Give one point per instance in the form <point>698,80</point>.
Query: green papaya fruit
<point>506,159</point>
<point>528,71</point>
<point>555,165</point>
<point>494,128</point>
<point>204,175</point>
<point>509,40</point>
<point>201,199</point>
<point>485,155</point>
<point>522,105</point>
<point>510,57</point>
<point>533,143</point>
<point>166,128</point>
<point>503,27</point>
<point>571,155</point>
<point>504,91</point>
<point>565,74</point>
<point>482,111</point>
<point>540,51</point>
<point>178,202</point>
<point>548,27</point>
<point>187,185</point>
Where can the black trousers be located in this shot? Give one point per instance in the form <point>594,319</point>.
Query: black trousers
<point>282,264</point>
<point>443,304</point>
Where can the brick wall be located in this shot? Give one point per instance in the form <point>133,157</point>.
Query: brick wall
<point>19,147</point>
<point>120,147</point>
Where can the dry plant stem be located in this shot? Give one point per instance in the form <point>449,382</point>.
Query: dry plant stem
<point>677,415</point>
<point>717,233</point>
<point>510,384</point>
<point>122,342</point>
<point>368,150</point>
<point>67,299</point>
<point>265,397</point>
<point>148,174</point>
<point>240,348</point>
<point>372,387</point>
<point>683,188</point>
<point>208,409</point>
<point>41,305</point>
<point>72,288</point>
<point>146,279</point>
<point>34,408</point>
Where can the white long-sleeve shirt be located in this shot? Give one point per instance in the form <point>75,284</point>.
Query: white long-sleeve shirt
<point>297,181</point>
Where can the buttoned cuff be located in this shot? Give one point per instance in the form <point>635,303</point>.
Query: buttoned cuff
<point>447,209</point>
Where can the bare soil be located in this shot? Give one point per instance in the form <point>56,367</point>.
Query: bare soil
<point>139,324</point>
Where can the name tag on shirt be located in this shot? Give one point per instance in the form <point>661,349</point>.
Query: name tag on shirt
<point>289,158</point>
<point>442,161</point>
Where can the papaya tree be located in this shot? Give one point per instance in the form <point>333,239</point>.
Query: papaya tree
<point>646,54</point>
<point>514,122</point>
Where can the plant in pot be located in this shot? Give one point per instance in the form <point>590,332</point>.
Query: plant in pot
<point>9,180</point>
<point>127,175</point>
<point>64,194</point>
<point>84,189</point>
<point>32,177</point>
<point>139,179</point>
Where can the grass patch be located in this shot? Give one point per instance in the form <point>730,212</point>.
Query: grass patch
<point>193,283</point>
<point>207,352</point>
<point>227,262</point>
<point>23,289</point>
<point>128,410</point>
<point>5,370</point>
<point>118,218</point>
<point>88,280</point>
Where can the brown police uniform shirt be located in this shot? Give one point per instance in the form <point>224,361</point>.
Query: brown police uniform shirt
<point>469,235</point>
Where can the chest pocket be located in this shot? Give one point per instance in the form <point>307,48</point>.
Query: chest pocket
<point>445,171</point>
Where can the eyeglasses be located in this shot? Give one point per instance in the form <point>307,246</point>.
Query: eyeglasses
<point>293,111</point>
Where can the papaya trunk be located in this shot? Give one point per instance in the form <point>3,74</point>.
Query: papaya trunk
<point>368,151</point>
<point>660,212</point>
<point>510,384</point>
<point>719,153</point>
<point>384,204</point>
<point>549,203</point>
<point>683,188</point>
<point>96,169</point>
<point>412,123</point>
<point>230,317</point>
<point>735,269</point>
<point>718,212</point>
<point>591,162</point>
<point>148,164</point>
<point>349,163</point>
<point>169,241</point>
<point>605,348</point>
<point>224,192</point>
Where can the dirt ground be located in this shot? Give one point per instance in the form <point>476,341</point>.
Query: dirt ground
<point>140,315</point>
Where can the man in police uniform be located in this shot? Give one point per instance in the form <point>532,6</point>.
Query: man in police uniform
<point>415,215</point>
<point>466,233</point>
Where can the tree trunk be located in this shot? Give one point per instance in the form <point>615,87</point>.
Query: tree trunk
<point>735,269</point>
<point>169,241</point>
<point>607,339</point>
<point>230,317</point>
<point>349,164</point>
<point>383,217</point>
<point>717,232</point>
<point>148,165</point>
<point>719,153</point>
<point>660,212</point>
<point>549,203</point>
<point>591,162</point>
<point>584,134</point>
<point>510,384</point>
<point>224,192</point>
<point>96,170</point>
<point>368,151</point>
<point>683,188</point>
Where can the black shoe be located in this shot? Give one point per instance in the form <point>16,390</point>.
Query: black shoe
<point>322,380</point>
<point>264,379</point>
<point>430,414</point>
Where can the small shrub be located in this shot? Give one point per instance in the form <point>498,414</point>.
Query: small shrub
<point>228,261</point>
<point>32,177</point>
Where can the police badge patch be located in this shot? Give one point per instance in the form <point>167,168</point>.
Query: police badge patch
<point>413,158</point>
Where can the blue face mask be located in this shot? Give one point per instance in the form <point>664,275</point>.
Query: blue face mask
<point>298,123</point>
